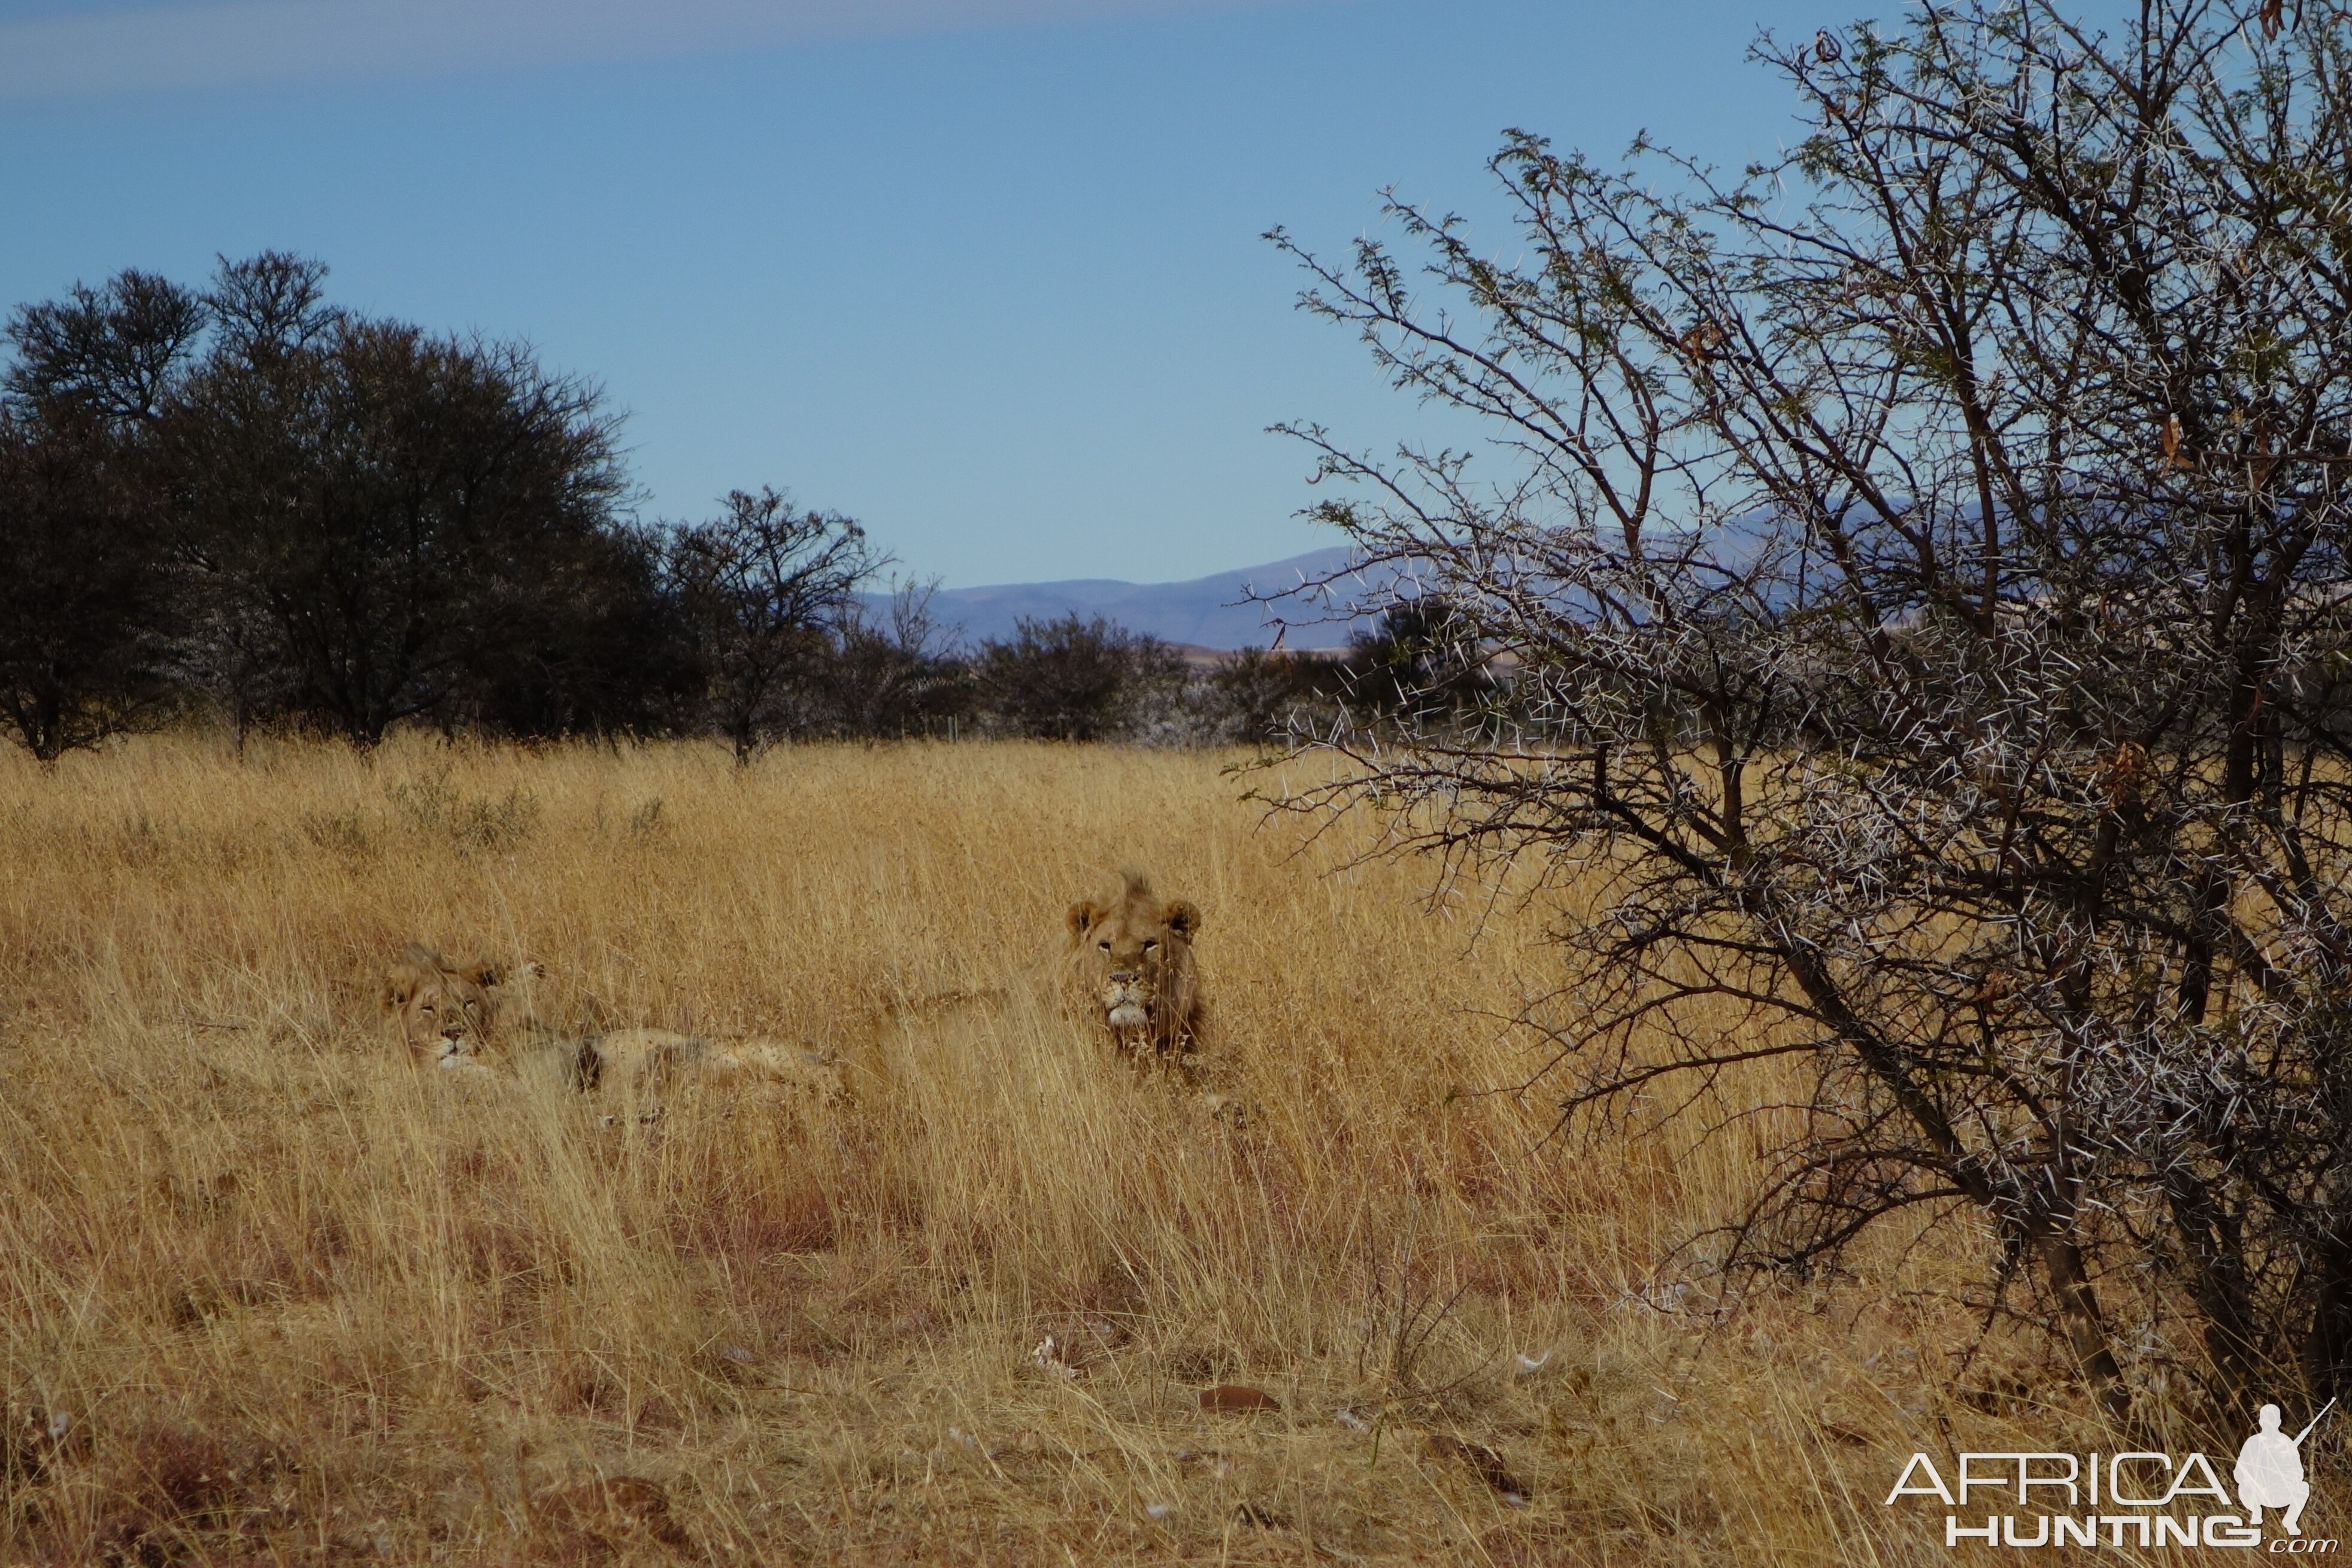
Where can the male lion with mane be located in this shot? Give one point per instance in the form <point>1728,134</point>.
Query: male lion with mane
<point>446,1011</point>
<point>1131,965</point>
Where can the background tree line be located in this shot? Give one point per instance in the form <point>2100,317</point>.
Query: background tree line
<point>242,501</point>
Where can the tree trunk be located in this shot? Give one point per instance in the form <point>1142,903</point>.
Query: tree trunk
<point>2327,1345</point>
<point>2078,1313</point>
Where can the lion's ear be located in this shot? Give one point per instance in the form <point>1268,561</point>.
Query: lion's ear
<point>481,972</point>
<point>1184,918</point>
<point>1083,914</point>
<point>399,985</point>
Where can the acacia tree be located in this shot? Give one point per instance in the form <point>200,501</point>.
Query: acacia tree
<point>346,521</point>
<point>1075,679</point>
<point>112,354</point>
<point>1925,563</point>
<point>85,594</point>
<point>1411,664</point>
<point>375,515</point>
<point>88,611</point>
<point>888,673</point>
<point>761,587</point>
<point>266,312</point>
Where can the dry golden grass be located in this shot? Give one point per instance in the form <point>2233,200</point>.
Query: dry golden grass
<point>288,1300</point>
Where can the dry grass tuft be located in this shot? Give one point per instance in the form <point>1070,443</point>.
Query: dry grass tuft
<point>267,1293</point>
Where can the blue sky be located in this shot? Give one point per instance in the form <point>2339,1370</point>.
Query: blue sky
<point>984,274</point>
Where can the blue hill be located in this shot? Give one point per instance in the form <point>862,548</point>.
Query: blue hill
<point>1212,611</point>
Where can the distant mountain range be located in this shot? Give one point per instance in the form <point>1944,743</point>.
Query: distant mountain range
<point>1213,612</point>
<point>1218,614</point>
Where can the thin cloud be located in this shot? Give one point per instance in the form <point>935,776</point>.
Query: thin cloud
<point>159,47</point>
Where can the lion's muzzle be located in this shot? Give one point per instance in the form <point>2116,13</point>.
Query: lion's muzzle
<point>1127,1001</point>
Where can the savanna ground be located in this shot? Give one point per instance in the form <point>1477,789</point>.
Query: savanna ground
<point>269,1294</point>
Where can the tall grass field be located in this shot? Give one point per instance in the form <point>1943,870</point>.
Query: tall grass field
<point>271,1293</point>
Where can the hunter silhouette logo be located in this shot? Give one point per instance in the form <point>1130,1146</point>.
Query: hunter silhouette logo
<point>2270,1470</point>
<point>2132,1499</point>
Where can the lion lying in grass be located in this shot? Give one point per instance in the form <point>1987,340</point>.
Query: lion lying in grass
<point>646,1060</point>
<point>1129,967</point>
<point>446,1012</point>
<point>452,1015</point>
<point>1125,971</point>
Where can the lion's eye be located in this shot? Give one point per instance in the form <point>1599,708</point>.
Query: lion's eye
<point>426,1008</point>
<point>1147,946</point>
<point>1104,945</point>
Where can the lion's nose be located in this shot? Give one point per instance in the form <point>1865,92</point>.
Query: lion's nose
<point>1123,976</point>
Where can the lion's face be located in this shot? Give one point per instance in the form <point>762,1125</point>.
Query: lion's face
<point>445,1011</point>
<point>1131,957</point>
